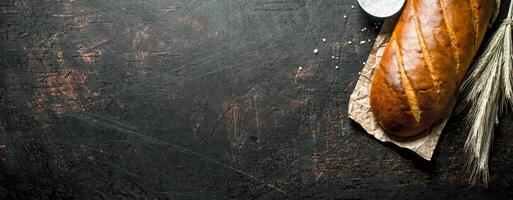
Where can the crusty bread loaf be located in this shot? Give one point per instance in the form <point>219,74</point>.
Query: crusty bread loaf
<point>429,52</point>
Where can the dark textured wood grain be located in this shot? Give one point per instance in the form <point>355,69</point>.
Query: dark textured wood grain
<point>194,99</point>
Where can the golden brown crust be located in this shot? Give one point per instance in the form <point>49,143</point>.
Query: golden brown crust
<point>430,50</point>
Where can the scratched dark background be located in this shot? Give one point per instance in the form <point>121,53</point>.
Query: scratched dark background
<point>203,99</point>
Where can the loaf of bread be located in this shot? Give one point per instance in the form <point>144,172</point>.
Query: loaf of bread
<point>425,61</point>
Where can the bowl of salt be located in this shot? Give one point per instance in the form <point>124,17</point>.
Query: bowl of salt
<point>381,8</point>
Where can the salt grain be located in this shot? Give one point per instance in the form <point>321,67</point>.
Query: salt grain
<point>316,51</point>
<point>323,39</point>
<point>352,6</point>
<point>362,42</point>
<point>345,16</point>
<point>350,42</point>
<point>332,57</point>
<point>336,67</point>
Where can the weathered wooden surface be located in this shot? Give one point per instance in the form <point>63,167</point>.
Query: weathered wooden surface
<point>203,99</point>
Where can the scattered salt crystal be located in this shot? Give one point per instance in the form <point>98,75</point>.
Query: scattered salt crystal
<point>345,16</point>
<point>316,51</point>
<point>336,67</point>
<point>368,40</point>
<point>350,42</point>
<point>323,39</point>
<point>364,63</point>
<point>300,68</point>
<point>352,6</point>
<point>332,57</point>
<point>338,57</point>
<point>362,42</point>
<point>359,72</point>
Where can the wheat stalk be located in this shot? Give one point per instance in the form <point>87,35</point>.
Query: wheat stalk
<point>487,91</point>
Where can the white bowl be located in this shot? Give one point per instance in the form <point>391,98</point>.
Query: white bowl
<point>381,8</point>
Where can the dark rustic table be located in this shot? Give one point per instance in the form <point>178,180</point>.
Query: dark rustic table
<point>205,99</point>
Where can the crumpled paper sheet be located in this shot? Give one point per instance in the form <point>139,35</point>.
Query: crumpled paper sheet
<point>359,106</point>
<point>360,111</point>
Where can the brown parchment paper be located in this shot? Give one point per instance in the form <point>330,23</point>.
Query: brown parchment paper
<point>359,106</point>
